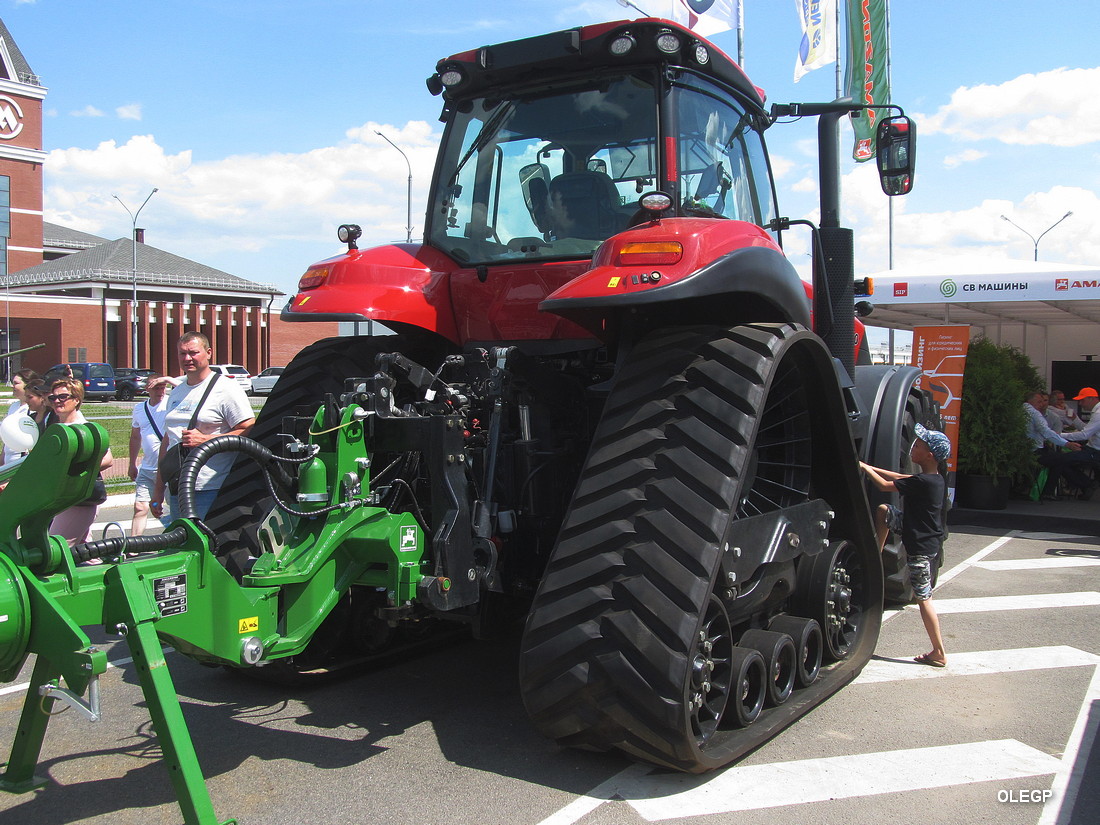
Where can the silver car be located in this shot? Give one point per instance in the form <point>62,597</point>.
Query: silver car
<point>262,383</point>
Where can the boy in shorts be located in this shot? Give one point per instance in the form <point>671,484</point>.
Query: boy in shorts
<point>920,523</point>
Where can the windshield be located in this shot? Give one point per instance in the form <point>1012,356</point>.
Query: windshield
<point>545,176</point>
<point>552,175</point>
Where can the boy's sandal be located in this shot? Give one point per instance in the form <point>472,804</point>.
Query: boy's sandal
<point>925,659</point>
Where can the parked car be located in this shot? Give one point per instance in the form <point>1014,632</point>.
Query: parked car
<point>262,383</point>
<point>130,382</point>
<point>237,373</point>
<point>98,378</point>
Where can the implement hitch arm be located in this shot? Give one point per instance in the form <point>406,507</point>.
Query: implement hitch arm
<point>180,595</point>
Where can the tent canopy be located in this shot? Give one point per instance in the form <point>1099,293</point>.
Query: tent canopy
<point>984,293</point>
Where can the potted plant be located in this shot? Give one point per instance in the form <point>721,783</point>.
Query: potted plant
<point>993,445</point>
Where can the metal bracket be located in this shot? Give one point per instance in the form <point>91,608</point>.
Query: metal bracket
<point>89,710</point>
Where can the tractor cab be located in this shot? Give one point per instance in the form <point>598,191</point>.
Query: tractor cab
<point>541,161</point>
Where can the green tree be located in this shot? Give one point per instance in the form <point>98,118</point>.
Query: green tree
<point>992,422</point>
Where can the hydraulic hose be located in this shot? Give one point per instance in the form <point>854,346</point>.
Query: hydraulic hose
<point>194,462</point>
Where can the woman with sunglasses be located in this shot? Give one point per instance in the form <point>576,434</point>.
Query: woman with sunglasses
<point>66,396</point>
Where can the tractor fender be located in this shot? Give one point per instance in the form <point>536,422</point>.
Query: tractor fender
<point>885,391</point>
<point>751,284</point>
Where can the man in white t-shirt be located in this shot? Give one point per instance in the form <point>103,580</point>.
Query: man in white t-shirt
<point>146,431</point>
<point>226,411</point>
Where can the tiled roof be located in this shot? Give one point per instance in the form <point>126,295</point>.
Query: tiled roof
<point>19,63</point>
<point>113,262</point>
<point>62,237</point>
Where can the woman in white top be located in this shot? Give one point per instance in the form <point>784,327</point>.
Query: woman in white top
<point>19,383</point>
<point>66,396</point>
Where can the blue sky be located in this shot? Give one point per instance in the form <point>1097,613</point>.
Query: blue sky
<point>256,120</point>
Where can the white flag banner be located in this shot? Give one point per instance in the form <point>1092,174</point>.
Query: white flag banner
<point>706,17</point>
<point>818,46</point>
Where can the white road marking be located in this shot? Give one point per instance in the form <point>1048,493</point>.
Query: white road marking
<point>1032,602</point>
<point>1067,783</point>
<point>979,663</point>
<point>666,796</point>
<point>1045,563</point>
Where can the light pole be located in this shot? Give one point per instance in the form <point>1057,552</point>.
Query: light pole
<point>133,302</point>
<point>1035,240</point>
<point>409,197</point>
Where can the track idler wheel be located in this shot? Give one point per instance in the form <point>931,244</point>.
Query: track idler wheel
<point>832,592</point>
<point>808,644</point>
<point>782,660</point>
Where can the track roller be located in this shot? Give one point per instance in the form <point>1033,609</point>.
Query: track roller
<point>808,644</point>
<point>782,659</point>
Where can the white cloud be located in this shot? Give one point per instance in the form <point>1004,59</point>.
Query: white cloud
<point>87,111</point>
<point>131,111</point>
<point>957,159</point>
<point>246,202</point>
<point>1055,108</point>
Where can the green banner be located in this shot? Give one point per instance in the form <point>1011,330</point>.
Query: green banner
<point>867,77</point>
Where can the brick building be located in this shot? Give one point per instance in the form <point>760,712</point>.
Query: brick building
<point>74,292</point>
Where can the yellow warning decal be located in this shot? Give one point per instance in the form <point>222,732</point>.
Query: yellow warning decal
<point>614,282</point>
<point>248,625</point>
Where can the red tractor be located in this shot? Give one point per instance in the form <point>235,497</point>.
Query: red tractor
<point>609,401</point>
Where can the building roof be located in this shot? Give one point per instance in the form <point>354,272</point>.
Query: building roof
<point>19,65</point>
<point>112,262</point>
<point>55,236</point>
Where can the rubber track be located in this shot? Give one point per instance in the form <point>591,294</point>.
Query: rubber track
<point>320,368</point>
<point>612,630</point>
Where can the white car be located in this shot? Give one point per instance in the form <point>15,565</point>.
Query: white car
<point>262,383</point>
<point>237,373</point>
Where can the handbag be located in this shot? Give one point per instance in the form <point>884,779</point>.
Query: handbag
<point>171,463</point>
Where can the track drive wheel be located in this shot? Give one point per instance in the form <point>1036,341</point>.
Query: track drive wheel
<point>703,426</point>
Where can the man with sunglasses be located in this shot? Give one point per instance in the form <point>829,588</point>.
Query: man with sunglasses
<point>224,410</point>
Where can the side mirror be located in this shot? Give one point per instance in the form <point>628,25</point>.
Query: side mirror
<point>896,140</point>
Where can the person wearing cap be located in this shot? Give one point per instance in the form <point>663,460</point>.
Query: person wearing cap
<point>1046,444</point>
<point>920,522</point>
<point>1086,400</point>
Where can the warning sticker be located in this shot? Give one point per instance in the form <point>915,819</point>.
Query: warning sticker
<point>614,282</point>
<point>408,540</point>
<point>249,625</point>
<point>170,594</point>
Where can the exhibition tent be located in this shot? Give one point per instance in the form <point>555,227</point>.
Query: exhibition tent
<point>1049,311</point>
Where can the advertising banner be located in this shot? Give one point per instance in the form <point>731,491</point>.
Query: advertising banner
<point>867,74</point>
<point>704,16</point>
<point>940,354</point>
<point>818,45</point>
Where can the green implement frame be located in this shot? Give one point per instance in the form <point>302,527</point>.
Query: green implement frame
<point>180,595</point>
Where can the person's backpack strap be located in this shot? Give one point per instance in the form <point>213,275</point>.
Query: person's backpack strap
<point>153,423</point>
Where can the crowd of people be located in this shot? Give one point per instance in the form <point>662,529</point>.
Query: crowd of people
<point>1066,442</point>
<point>179,415</point>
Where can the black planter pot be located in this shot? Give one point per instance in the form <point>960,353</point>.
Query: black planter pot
<point>982,492</point>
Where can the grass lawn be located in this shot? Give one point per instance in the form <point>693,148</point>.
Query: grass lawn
<point>116,420</point>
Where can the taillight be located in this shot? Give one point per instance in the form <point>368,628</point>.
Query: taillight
<point>313,278</point>
<point>650,253</point>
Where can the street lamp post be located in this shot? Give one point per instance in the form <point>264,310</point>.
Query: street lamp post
<point>409,197</point>
<point>133,301</point>
<point>1035,240</point>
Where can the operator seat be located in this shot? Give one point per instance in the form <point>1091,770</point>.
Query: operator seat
<point>584,205</point>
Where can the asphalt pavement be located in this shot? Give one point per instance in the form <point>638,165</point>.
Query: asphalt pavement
<point>1005,734</point>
